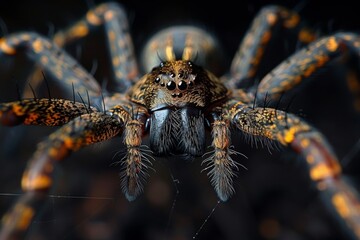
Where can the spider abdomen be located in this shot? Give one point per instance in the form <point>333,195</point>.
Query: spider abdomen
<point>178,131</point>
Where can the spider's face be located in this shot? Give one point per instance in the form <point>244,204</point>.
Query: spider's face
<point>177,94</point>
<point>175,84</point>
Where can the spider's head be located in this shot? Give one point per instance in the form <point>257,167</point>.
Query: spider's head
<point>177,84</point>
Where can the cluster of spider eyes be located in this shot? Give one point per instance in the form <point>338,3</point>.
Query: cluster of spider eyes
<point>182,81</point>
<point>171,84</point>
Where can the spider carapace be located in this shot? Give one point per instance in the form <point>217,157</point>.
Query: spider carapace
<point>174,103</point>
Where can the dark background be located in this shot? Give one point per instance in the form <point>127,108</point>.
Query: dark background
<point>228,19</point>
<point>274,198</point>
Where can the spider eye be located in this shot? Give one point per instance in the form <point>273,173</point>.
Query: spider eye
<point>182,75</point>
<point>171,85</point>
<point>162,64</point>
<point>182,85</point>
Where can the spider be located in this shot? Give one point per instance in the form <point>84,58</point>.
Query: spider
<point>174,104</point>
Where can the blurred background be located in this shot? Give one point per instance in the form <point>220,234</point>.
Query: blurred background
<point>274,198</point>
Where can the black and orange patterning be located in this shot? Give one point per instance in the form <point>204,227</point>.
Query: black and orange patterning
<point>175,103</point>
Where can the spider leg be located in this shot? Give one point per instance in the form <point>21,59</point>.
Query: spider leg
<point>302,65</point>
<point>49,112</point>
<point>322,164</point>
<point>37,179</point>
<point>271,22</point>
<point>111,17</point>
<point>220,165</point>
<point>64,70</point>
<point>136,161</point>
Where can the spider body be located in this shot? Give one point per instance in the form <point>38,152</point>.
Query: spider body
<point>174,103</point>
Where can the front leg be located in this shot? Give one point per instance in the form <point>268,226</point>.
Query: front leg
<point>323,166</point>
<point>135,162</point>
<point>46,112</point>
<point>38,176</point>
<point>220,165</point>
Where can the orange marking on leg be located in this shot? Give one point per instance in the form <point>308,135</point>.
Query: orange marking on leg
<point>116,61</point>
<point>271,18</point>
<point>6,48</point>
<point>111,35</point>
<point>93,19</point>
<point>80,30</point>
<point>340,202</point>
<point>25,37</point>
<point>31,118</point>
<point>292,22</point>
<point>18,110</point>
<point>69,142</point>
<point>356,44</point>
<point>109,15</point>
<point>251,73</point>
<point>37,46</point>
<point>54,153</point>
<point>304,143</point>
<point>38,182</point>
<point>321,60</point>
<point>332,45</point>
<point>297,80</point>
<point>266,37</point>
<point>324,170</point>
<point>310,159</point>
<point>309,70</point>
<point>26,213</point>
<point>349,37</point>
<point>290,134</point>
